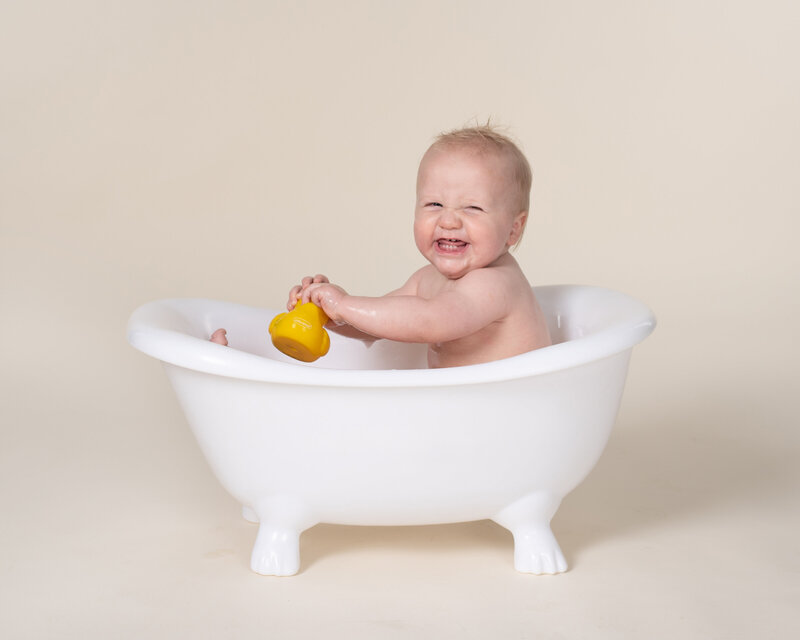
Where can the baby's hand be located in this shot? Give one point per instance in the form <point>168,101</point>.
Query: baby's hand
<point>296,292</point>
<point>326,296</point>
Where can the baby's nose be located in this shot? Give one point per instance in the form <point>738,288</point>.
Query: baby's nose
<point>448,219</point>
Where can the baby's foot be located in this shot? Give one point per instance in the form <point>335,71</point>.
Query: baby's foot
<point>218,337</point>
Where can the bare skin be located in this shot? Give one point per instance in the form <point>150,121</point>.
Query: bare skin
<point>472,303</point>
<point>220,336</point>
<point>484,316</point>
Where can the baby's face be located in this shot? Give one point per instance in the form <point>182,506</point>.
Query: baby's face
<point>467,212</point>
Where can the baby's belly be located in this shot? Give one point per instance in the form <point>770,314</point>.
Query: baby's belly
<point>482,347</point>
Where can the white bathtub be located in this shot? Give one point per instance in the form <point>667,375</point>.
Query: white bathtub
<point>368,436</point>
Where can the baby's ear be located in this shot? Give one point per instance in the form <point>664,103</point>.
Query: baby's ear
<point>517,227</point>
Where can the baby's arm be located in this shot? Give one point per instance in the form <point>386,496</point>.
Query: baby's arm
<point>470,304</point>
<point>296,292</point>
<point>297,295</point>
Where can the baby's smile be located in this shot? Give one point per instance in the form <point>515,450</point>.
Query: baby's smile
<point>451,245</point>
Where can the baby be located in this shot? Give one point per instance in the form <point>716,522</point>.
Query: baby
<point>472,303</point>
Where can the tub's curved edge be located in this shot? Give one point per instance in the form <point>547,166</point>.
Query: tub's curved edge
<point>199,354</point>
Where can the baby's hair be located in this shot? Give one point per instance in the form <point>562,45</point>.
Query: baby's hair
<point>488,137</point>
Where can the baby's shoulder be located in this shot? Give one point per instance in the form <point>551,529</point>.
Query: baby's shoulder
<point>505,273</point>
<point>504,281</point>
<point>415,283</point>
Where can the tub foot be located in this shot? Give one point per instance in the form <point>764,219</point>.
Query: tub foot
<point>276,552</point>
<point>249,515</point>
<point>535,547</point>
<point>277,548</point>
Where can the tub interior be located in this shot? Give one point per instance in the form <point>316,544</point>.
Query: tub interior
<point>248,332</point>
<point>572,313</point>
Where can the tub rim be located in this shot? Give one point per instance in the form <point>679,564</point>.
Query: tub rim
<point>182,350</point>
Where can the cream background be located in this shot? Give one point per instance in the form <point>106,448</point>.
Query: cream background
<point>162,149</point>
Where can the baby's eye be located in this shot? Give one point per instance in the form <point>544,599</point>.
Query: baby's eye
<point>474,207</point>
<point>434,204</point>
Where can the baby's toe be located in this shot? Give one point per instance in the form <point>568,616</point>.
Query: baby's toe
<point>218,337</point>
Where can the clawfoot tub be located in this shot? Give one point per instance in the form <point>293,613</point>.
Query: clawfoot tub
<point>369,436</point>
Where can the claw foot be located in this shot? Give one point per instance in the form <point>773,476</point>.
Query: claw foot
<point>276,552</point>
<point>536,551</point>
<point>535,547</point>
<point>277,549</point>
<point>250,515</point>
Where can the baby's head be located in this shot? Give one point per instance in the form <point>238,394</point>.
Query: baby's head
<point>473,195</point>
<point>486,139</point>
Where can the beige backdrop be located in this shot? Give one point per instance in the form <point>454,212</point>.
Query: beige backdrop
<point>224,149</point>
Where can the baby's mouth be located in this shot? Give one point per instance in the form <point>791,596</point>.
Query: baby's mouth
<point>450,244</point>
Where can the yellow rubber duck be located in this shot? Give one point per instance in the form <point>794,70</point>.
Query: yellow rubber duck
<point>300,333</point>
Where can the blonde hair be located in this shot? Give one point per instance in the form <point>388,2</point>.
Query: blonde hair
<point>487,137</point>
